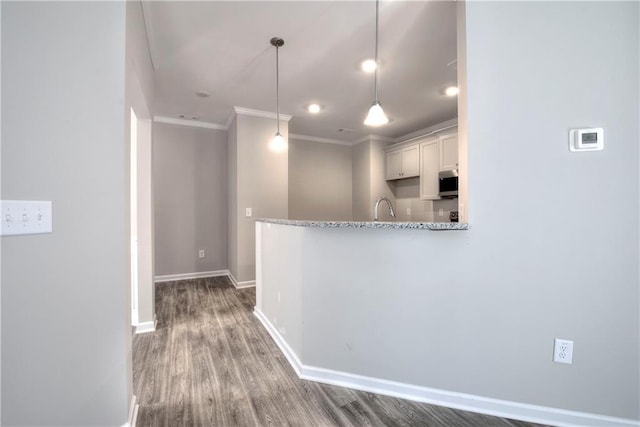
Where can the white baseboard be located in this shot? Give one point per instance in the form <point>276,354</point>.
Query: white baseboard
<point>205,274</point>
<point>449,399</point>
<point>288,352</point>
<point>144,327</point>
<point>133,413</point>
<point>239,285</point>
<point>185,276</point>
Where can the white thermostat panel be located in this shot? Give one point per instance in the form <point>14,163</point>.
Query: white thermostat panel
<point>586,139</point>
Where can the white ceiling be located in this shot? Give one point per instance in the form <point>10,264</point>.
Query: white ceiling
<point>222,47</point>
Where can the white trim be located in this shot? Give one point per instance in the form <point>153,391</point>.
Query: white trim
<point>260,113</point>
<point>428,131</point>
<point>318,139</point>
<point>240,285</point>
<point>373,138</point>
<point>232,116</point>
<point>463,401</point>
<point>280,342</point>
<point>135,416</point>
<point>192,123</point>
<point>185,276</point>
<point>144,327</point>
<point>449,399</point>
<point>133,413</point>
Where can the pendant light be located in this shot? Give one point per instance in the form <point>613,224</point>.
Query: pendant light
<point>277,143</point>
<point>376,116</point>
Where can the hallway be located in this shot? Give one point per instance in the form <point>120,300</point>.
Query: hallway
<point>211,363</point>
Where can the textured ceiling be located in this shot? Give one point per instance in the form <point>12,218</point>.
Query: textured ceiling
<point>223,48</point>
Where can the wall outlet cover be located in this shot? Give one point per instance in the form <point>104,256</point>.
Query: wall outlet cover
<point>563,351</point>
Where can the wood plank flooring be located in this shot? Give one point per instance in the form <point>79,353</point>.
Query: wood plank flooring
<point>211,363</point>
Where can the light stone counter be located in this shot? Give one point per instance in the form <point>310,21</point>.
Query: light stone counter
<point>436,226</point>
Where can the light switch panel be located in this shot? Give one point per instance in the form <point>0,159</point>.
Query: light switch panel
<point>26,217</point>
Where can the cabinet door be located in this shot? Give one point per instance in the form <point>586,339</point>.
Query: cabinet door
<point>394,165</point>
<point>429,168</point>
<point>449,152</point>
<point>411,161</point>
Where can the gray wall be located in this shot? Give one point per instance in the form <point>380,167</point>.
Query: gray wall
<point>320,181</point>
<point>66,331</point>
<point>369,163</point>
<point>260,182</point>
<point>361,181</point>
<point>577,277</point>
<point>477,311</point>
<point>190,191</point>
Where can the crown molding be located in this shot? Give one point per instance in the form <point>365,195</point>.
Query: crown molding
<point>447,124</point>
<point>192,123</point>
<point>318,139</point>
<point>373,138</point>
<point>259,113</point>
<point>230,119</point>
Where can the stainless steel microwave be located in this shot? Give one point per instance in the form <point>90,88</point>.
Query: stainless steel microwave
<point>448,183</point>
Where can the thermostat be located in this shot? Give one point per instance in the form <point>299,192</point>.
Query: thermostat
<point>586,139</point>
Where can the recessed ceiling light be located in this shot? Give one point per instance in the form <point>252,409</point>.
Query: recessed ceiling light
<point>203,94</point>
<point>451,91</point>
<point>313,108</point>
<point>368,65</point>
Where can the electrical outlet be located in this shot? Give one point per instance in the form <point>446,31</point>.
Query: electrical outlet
<point>408,211</point>
<point>441,212</point>
<point>563,351</point>
<point>201,253</point>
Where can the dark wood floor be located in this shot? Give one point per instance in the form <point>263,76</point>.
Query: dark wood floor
<point>211,363</point>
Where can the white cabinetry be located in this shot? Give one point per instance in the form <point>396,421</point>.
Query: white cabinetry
<point>448,151</point>
<point>403,162</point>
<point>429,168</point>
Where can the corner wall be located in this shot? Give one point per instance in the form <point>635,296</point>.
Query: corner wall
<point>139,96</point>
<point>258,179</point>
<point>369,182</point>
<point>190,186</point>
<point>320,181</point>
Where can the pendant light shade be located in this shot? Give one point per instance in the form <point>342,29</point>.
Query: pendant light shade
<point>376,116</point>
<point>277,143</point>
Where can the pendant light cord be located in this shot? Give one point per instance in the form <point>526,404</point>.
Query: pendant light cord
<point>277,89</point>
<point>375,84</point>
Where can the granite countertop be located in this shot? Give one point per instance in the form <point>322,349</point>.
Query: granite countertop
<point>436,226</point>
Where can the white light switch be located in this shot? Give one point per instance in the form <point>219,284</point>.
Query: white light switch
<point>26,217</point>
<point>248,212</point>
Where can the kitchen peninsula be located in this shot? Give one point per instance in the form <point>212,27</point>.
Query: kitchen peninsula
<point>348,307</point>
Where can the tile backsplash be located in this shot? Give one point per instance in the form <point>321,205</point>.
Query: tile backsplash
<point>406,192</point>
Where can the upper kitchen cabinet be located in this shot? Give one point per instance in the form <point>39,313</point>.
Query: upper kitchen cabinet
<point>430,165</point>
<point>403,162</point>
<point>448,151</point>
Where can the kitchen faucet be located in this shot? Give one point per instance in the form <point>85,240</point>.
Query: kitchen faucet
<point>375,209</point>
